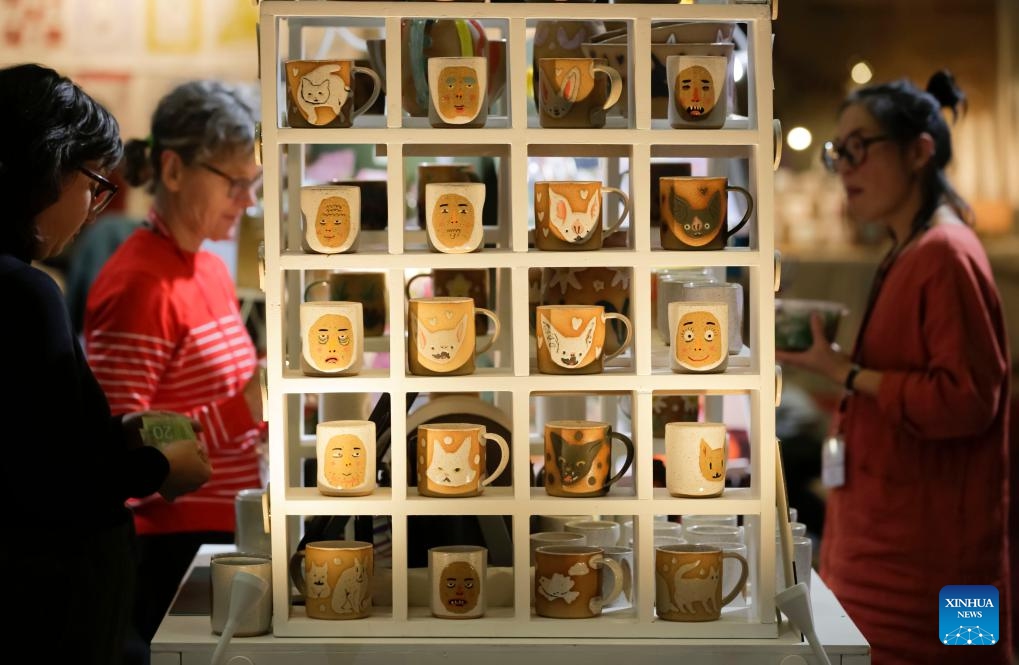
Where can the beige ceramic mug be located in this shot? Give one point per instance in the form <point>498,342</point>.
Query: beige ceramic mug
<point>578,457</point>
<point>334,576</point>
<point>457,91</point>
<point>346,457</point>
<point>571,338</point>
<point>223,567</point>
<point>570,94</point>
<point>699,334</point>
<point>695,459</point>
<point>688,582</point>
<point>442,336</point>
<point>568,581</point>
<point>451,459</point>
<point>440,172</point>
<point>457,577</point>
<point>453,216</point>
<point>332,218</point>
<point>698,90</point>
<point>568,214</point>
<point>462,283</point>
<point>319,92</point>
<point>332,338</point>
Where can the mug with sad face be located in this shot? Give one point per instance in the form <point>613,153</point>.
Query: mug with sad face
<point>332,338</point>
<point>346,457</point>
<point>332,218</point>
<point>699,334</point>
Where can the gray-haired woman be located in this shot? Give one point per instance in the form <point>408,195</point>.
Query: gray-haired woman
<point>162,325</point>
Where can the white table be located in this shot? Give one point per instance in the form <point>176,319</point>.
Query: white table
<point>188,640</point>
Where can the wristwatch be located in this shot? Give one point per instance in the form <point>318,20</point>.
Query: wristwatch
<point>851,377</point>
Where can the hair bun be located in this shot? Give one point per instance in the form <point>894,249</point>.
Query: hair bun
<point>942,87</point>
<point>137,163</point>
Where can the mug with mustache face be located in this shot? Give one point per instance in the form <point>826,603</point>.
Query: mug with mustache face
<point>442,337</point>
<point>571,338</point>
<point>332,338</point>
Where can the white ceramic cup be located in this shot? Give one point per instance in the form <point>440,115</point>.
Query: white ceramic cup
<point>332,218</point>
<point>698,333</point>
<point>457,576</point>
<point>599,533</point>
<point>222,568</point>
<point>543,538</point>
<point>346,457</point>
<point>453,216</point>
<point>332,338</point>
<point>695,457</point>
<point>457,91</point>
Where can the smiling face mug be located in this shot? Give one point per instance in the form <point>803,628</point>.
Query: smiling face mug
<point>699,334</point>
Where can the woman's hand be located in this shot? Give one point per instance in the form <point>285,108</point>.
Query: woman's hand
<point>822,357</point>
<point>133,425</point>
<point>189,468</point>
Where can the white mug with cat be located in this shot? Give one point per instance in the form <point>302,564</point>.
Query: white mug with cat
<point>451,459</point>
<point>695,455</point>
<point>568,214</point>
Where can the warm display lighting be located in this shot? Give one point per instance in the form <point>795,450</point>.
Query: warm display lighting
<point>861,73</point>
<point>799,138</point>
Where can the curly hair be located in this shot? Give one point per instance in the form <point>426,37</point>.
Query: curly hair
<point>200,120</point>
<point>51,127</point>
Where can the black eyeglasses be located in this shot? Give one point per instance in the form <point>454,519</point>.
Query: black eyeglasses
<point>102,193</point>
<point>853,151</point>
<point>238,186</point>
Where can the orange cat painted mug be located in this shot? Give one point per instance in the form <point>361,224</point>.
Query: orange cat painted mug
<point>689,582</point>
<point>695,455</point>
<point>451,459</point>
<point>571,338</point>
<point>442,336</point>
<point>578,457</point>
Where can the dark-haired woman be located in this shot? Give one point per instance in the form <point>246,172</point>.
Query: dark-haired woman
<point>69,466</point>
<point>922,503</point>
<point>162,324</point>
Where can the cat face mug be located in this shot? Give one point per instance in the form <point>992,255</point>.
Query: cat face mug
<point>571,338</point>
<point>442,336</point>
<point>578,457</point>
<point>319,92</point>
<point>695,212</point>
<point>334,576</point>
<point>688,582</point>
<point>451,459</point>
<point>568,215</point>
<point>695,455</point>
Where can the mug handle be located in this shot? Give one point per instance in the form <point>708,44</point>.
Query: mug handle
<point>296,569</point>
<point>629,334</point>
<point>742,577</point>
<point>619,436</point>
<point>626,209</point>
<point>410,281</point>
<point>376,88</point>
<point>495,332</point>
<point>617,577</point>
<point>308,288</point>
<point>615,84</point>
<point>503,458</point>
<point>746,216</point>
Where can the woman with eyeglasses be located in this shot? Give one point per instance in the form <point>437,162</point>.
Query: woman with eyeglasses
<point>162,323</point>
<point>69,465</point>
<point>922,499</point>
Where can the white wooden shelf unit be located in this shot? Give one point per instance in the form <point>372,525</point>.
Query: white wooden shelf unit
<point>514,139</point>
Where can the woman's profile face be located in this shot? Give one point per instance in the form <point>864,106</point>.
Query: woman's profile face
<point>881,180</point>
<point>59,223</point>
<point>212,210</point>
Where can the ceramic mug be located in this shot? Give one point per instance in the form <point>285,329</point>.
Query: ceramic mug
<point>624,557</point>
<point>694,212</point>
<point>451,459</point>
<point>698,90</point>
<point>571,95</point>
<point>332,218</point>
<point>571,338</point>
<point>600,533</point>
<point>578,457</point>
<point>568,581</point>
<point>367,288</point>
<point>699,335</point>
<point>319,92</point>
<point>695,458</point>
<point>457,577</point>
<point>728,292</point>
<point>442,336</point>
<point>457,91</point>
<point>435,172</point>
<point>689,579</point>
<point>543,538</point>
<point>608,287</point>
<point>332,338</point>
<point>462,283</point>
<point>334,576</point>
<point>257,620</point>
<point>568,214</point>
<point>346,457</point>
<point>453,216</point>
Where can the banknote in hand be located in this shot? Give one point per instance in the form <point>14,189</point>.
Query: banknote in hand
<point>160,430</point>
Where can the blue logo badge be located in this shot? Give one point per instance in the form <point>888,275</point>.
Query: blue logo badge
<point>968,615</point>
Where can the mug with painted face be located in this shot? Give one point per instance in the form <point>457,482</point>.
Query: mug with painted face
<point>457,91</point>
<point>332,218</point>
<point>570,94</point>
<point>451,459</point>
<point>698,90</point>
<point>462,283</point>
<point>571,338</point>
<point>568,581</point>
<point>440,172</point>
<point>689,579</point>
<point>695,456</point>
<point>568,215</point>
<point>456,577</point>
<point>346,457</point>
<point>698,330</point>
<point>332,338</point>
<point>578,457</point>
<point>695,210</point>
<point>442,336</point>
<point>319,92</point>
<point>334,576</point>
<point>453,216</point>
